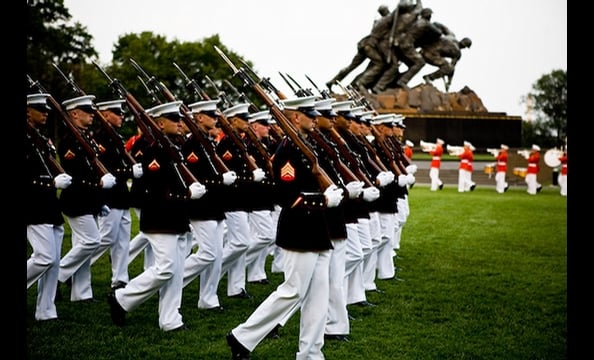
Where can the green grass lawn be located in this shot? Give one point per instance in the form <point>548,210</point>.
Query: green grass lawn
<point>481,276</point>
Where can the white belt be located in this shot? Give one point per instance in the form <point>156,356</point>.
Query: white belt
<point>435,158</point>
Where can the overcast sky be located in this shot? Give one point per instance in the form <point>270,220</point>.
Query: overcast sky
<point>514,42</point>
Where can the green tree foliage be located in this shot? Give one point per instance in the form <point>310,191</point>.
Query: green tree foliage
<point>549,101</point>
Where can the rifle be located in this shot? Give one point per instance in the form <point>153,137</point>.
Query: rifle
<point>325,94</point>
<point>379,138</point>
<point>216,162</point>
<point>223,122</point>
<point>322,177</point>
<point>250,132</point>
<point>346,173</point>
<point>89,151</point>
<point>243,98</point>
<point>150,129</point>
<point>116,140</point>
<point>51,165</point>
<point>355,169</point>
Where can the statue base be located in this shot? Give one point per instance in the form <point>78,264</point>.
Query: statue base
<point>454,116</point>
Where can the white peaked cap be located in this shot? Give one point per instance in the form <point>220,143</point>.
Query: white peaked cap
<point>166,109</point>
<point>300,102</point>
<point>111,105</point>
<point>260,116</point>
<point>409,143</point>
<point>38,99</point>
<point>504,147</point>
<point>205,105</point>
<point>77,102</point>
<point>236,110</point>
<point>535,147</point>
<point>366,115</point>
<point>324,104</point>
<point>440,141</point>
<point>383,119</point>
<point>357,110</point>
<point>343,105</point>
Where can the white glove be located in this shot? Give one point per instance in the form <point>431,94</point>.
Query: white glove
<point>62,181</point>
<point>354,188</point>
<point>382,179</point>
<point>104,210</point>
<point>108,181</point>
<point>371,193</point>
<point>333,196</point>
<point>411,169</point>
<point>259,175</point>
<point>137,170</point>
<point>410,178</point>
<point>229,177</point>
<point>402,180</point>
<point>197,190</point>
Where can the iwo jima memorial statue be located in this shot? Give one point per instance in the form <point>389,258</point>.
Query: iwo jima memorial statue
<point>400,44</point>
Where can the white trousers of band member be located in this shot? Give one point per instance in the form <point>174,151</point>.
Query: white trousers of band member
<point>464,180</point>
<point>306,287</point>
<point>138,244</point>
<point>115,229</point>
<point>353,274</point>
<point>385,252</point>
<point>370,262</point>
<point>435,180</point>
<point>238,239</point>
<point>532,183</point>
<point>206,261</point>
<point>337,322</point>
<point>43,266</point>
<point>401,217</point>
<point>500,183</point>
<point>277,252</point>
<point>76,264</point>
<point>562,181</point>
<point>164,276</point>
<point>263,234</point>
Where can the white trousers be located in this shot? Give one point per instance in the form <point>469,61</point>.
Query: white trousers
<point>306,286</point>
<point>353,274</point>
<point>464,180</point>
<point>385,252</point>
<point>164,276</point>
<point>500,183</point>
<point>115,229</point>
<point>43,266</point>
<point>76,264</point>
<point>435,180</point>
<point>562,181</point>
<point>263,235</point>
<point>370,261</point>
<point>238,239</point>
<point>532,183</point>
<point>138,244</point>
<point>337,322</point>
<point>206,261</point>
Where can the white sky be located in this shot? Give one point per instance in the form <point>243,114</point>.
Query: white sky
<point>514,42</point>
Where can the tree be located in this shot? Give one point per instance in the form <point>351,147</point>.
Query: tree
<point>53,38</point>
<point>549,101</point>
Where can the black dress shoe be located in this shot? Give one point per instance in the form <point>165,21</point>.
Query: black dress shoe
<point>539,188</point>
<point>183,327</point>
<point>343,338</point>
<point>472,187</point>
<point>242,295</point>
<point>376,290</point>
<point>365,303</point>
<point>261,282</point>
<point>118,314</point>
<point>274,334</point>
<point>506,188</point>
<point>441,187</point>
<point>119,285</point>
<point>238,351</point>
<point>215,309</point>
